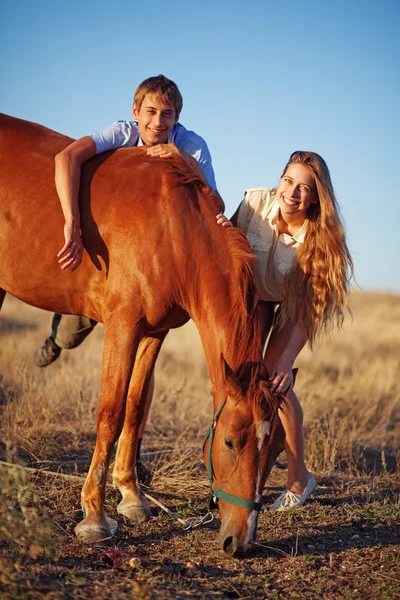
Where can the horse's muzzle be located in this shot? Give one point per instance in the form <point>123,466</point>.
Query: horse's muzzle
<point>233,543</point>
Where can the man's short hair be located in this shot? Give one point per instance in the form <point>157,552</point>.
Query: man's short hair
<point>163,88</point>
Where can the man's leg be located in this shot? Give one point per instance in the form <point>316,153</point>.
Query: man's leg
<point>67,332</point>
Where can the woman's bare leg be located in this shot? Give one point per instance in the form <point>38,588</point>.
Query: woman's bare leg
<point>291,415</point>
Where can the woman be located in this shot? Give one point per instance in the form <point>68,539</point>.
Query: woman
<point>302,273</point>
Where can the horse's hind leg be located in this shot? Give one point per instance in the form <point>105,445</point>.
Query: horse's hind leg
<point>134,505</point>
<point>120,345</point>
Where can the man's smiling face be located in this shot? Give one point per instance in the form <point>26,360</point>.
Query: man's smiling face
<point>155,120</point>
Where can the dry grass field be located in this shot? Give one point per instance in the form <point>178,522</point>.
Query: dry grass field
<point>343,544</point>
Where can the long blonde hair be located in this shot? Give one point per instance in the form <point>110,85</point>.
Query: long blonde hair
<point>318,285</point>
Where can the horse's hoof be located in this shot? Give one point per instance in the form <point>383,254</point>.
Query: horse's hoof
<point>134,511</point>
<point>92,532</point>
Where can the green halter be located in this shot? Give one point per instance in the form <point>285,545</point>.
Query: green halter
<point>216,494</point>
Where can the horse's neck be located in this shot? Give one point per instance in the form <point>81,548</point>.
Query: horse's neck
<point>215,291</point>
<point>218,329</point>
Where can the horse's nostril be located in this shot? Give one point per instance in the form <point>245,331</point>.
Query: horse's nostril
<point>231,546</point>
<point>228,545</point>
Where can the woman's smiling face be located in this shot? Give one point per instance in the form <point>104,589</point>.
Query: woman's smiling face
<point>297,190</point>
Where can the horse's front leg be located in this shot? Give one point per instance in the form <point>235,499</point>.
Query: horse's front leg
<point>134,505</point>
<point>120,346</point>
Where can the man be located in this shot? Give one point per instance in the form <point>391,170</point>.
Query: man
<point>156,108</point>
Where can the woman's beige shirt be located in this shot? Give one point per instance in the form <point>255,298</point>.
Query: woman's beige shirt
<point>258,218</point>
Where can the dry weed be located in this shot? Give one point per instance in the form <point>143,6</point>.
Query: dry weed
<point>349,388</point>
<point>24,521</point>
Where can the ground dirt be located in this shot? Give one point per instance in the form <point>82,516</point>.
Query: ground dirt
<point>344,543</point>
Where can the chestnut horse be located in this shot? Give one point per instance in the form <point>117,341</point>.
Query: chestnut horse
<point>154,257</point>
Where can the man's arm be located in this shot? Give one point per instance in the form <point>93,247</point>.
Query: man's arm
<point>68,165</point>
<point>165,150</point>
<point>188,142</point>
<point>194,145</point>
<point>68,175</point>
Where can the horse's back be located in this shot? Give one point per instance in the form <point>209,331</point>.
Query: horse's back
<point>18,136</point>
<point>136,212</point>
<point>27,189</point>
<point>123,177</point>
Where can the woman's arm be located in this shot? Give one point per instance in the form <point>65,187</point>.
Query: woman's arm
<point>282,350</point>
<point>67,178</point>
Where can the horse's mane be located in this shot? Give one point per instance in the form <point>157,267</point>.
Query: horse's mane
<point>244,322</point>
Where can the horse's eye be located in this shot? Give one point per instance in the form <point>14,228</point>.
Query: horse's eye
<point>229,444</point>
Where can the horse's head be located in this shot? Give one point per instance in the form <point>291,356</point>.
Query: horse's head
<point>242,444</point>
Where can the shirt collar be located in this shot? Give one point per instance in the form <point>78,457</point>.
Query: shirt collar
<point>273,215</point>
<point>300,235</point>
<point>173,133</point>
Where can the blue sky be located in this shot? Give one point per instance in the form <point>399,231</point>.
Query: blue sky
<point>259,80</point>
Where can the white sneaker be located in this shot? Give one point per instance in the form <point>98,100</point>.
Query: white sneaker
<point>289,500</point>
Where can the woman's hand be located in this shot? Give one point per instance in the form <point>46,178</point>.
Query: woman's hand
<point>281,377</point>
<point>70,255</point>
<point>222,220</point>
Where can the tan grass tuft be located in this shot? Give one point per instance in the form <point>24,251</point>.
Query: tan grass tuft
<point>24,521</point>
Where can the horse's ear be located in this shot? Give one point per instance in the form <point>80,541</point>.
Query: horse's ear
<point>231,381</point>
<point>294,371</point>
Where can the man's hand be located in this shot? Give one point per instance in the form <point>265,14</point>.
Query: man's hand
<point>70,255</point>
<point>222,220</point>
<point>163,150</point>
